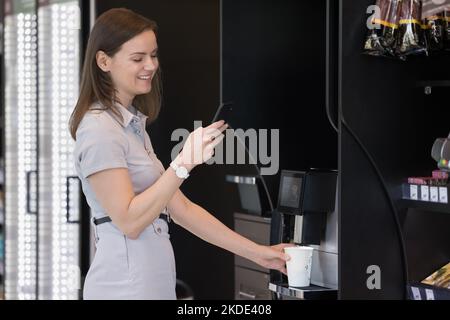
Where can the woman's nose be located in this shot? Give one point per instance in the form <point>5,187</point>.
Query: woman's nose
<point>150,65</point>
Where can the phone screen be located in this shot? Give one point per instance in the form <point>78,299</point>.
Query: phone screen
<point>224,112</point>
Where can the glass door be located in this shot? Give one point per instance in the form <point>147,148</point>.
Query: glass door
<point>59,189</point>
<point>21,149</point>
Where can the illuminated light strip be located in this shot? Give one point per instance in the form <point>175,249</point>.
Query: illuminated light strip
<point>20,99</point>
<point>11,275</point>
<point>59,96</point>
<point>20,90</point>
<point>45,133</point>
<point>27,234</point>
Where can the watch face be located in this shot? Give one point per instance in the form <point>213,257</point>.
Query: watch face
<point>182,172</point>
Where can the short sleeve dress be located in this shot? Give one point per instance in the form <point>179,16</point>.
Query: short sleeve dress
<point>123,268</point>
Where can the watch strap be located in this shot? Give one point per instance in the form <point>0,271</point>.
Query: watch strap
<point>175,167</point>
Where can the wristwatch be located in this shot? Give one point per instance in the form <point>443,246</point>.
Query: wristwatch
<point>180,171</point>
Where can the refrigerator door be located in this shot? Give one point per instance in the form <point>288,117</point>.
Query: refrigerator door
<point>59,189</point>
<point>21,152</point>
<point>42,67</point>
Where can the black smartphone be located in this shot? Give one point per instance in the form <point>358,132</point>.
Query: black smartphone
<point>224,112</point>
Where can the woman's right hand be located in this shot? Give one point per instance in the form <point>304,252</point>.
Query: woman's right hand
<point>199,145</point>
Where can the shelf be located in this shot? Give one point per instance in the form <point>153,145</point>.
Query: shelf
<point>433,83</point>
<point>423,197</point>
<point>306,293</point>
<point>426,205</point>
<point>428,86</point>
<point>420,291</point>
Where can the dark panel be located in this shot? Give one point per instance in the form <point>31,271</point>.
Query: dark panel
<point>428,244</point>
<point>274,72</point>
<point>397,124</point>
<point>367,234</point>
<point>373,93</point>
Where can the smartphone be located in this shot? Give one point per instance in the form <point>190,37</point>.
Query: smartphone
<point>224,112</point>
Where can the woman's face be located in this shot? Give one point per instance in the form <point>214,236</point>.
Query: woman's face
<point>133,67</point>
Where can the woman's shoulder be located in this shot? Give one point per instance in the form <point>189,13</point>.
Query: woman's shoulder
<point>97,120</point>
<point>97,117</point>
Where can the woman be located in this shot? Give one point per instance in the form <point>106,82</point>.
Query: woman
<point>129,191</point>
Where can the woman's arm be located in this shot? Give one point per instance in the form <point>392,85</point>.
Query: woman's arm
<point>200,222</point>
<point>133,213</point>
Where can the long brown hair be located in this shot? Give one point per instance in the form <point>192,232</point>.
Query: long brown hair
<point>111,30</point>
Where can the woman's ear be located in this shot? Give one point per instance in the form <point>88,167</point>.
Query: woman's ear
<point>103,60</point>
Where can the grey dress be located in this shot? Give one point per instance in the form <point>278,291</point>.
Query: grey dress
<point>123,268</point>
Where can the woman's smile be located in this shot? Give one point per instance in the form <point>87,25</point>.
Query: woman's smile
<point>145,77</point>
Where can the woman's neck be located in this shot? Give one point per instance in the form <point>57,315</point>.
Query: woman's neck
<point>124,101</point>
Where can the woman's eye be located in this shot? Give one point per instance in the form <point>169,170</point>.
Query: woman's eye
<point>154,56</point>
<point>137,60</point>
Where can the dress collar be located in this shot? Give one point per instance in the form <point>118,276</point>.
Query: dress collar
<point>128,115</point>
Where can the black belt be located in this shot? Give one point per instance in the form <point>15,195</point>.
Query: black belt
<point>106,219</point>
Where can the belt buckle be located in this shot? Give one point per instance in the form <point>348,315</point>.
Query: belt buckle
<point>166,212</point>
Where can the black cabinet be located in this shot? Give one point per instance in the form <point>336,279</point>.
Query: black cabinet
<point>251,280</point>
<point>388,123</point>
<point>300,66</point>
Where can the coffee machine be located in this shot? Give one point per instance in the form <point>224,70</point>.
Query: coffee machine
<point>306,214</point>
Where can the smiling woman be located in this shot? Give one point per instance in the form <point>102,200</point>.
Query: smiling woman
<point>130,193</point>
<point>131,38</point>
<point>133,67</point>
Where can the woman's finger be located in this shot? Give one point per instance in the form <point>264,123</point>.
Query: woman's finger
<point>216,124</point>
<point>216,141</point>
<point>285,245</point>
<point>223,128</point>
<point>212,133</point>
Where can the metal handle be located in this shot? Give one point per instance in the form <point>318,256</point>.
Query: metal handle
<point>68,218</point>
<point>246,295</point>
<point>240,179</point>
<point>29,173</point>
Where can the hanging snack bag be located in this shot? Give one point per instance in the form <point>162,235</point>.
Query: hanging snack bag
<point>410,39</point>
<point>433,27</point>
<point>380,40</point>
<point>446,29</point>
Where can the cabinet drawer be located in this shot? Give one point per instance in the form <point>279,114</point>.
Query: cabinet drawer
<point>251,285</point>
<point>255,231</point>
<point>258,232</point>
<point>244,263</point>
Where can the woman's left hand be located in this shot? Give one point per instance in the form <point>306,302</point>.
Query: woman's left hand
<point>273,257</point>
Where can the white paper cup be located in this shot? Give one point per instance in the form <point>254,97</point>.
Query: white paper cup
<point>299,266</point>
